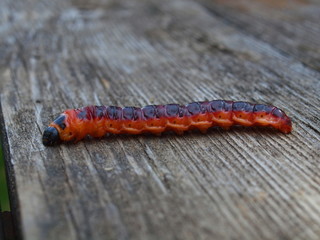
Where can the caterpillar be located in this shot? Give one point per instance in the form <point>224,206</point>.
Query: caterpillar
<point>97,121</point>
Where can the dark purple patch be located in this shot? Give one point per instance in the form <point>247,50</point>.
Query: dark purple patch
<point>242,106</point>
<point>183,111</point>
<point>60,121</point>
<point>217,105</point>
<point>111,112</point>
<point>118,114</point>
<point>114,113</point>
<point>278,113</point>
<point>172,110</point>
<point>249,107</point>
<point>90,110</point>
<point>194,108</point>
<point>100,111</point>
<point>205,107</point>
<point>137,113</point>
<point>228,106</point>
<point>160,111</point>
<point>127,113</point>
<point>262,108</point>
<point>238,106</point>
<point>149,111</point>
<point>82,114</point>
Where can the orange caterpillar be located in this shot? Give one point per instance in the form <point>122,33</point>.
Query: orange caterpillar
<point>96,121</point>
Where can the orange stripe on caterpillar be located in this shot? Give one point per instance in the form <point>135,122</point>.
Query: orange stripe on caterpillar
<point>96,121</point>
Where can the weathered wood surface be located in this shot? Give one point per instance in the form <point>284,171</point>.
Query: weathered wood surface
<point>238,184</point>
<point>289,26</point>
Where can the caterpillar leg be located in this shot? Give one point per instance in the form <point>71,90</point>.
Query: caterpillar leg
<point>203,130</point>
<point>179,132</point>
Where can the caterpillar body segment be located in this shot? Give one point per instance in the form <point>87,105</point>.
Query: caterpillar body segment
<point>96,121</point>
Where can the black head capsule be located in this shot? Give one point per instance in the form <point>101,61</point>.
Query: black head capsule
<point>50,136</point>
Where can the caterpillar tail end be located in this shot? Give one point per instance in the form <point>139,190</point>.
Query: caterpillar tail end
<point>50,136</point>
<point>285,125</point>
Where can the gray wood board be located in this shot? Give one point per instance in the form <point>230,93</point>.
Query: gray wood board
<point>291,27</point>
<point>237,184</point>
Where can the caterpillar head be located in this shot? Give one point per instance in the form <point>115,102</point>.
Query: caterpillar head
<point>57,131</point>
<point>50,136</point>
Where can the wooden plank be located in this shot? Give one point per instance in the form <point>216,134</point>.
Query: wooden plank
<point>238,184</point>
<point>291,27</point>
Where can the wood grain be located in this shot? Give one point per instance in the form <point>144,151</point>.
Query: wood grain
<point>291,27</point>
<point>237,184</point>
